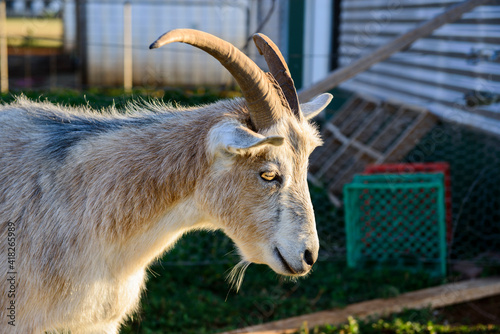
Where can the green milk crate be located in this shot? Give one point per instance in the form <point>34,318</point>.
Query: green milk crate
<point>396,219</point>
<point>390,178</point>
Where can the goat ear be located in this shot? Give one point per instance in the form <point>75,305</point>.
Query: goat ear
<point>315,106</point>
<point>236,139</point>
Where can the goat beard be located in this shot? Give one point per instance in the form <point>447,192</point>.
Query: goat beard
<point>235,276</point>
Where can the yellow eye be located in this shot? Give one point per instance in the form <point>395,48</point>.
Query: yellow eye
<point>268,176</point>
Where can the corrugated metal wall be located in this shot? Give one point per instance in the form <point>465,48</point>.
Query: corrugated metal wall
<point>455,72</point>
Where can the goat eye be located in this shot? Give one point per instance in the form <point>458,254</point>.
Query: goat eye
<point>268,176</point>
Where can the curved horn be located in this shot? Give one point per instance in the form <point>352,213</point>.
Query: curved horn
<point>263,102</point>
<point>279,69</point>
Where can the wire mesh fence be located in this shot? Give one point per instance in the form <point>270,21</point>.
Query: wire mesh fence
<point>474,159</point>
<point>81,44</point>
<point>43,42</point>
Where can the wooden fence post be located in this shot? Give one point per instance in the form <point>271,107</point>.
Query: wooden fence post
<point>127,47</point>
<point>4,54</point>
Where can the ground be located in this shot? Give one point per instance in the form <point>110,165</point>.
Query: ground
<point>482,311</point>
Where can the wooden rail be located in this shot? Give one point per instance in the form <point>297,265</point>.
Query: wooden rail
<point>440,296</point>
<point>337,77</point>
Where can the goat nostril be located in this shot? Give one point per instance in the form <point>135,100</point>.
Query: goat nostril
<point>308,257</point>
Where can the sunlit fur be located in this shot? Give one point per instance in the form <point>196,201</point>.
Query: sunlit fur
<point>97,196</point>
<point>237,273</point>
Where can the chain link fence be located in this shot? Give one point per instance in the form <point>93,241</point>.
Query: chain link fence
<point>474,159</point>
<point>90,43</point>
<point>42,44</point>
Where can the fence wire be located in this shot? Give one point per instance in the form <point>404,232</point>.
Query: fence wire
<point>81,44</point>
<point>474,156</point>
<point>474,159</point>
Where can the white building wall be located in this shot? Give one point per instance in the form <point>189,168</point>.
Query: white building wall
<point>317,40</point>
<point>175,64</point>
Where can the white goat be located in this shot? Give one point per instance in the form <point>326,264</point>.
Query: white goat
<point>89,200</point>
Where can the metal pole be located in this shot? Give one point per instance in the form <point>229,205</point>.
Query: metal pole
<point>81,37</point>
<point>4,69</point>
<point>127,47</point>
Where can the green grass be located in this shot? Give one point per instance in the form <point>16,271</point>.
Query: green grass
<point>187,291</point>
<point>423,321</point>
<point>35,32</point>
<point>197,299</point>
<point>102,98</point>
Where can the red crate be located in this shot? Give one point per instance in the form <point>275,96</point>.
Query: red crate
<point>423,167</point>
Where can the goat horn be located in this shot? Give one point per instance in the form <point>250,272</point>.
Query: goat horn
<point>279,70</point>
<point>258,89</point>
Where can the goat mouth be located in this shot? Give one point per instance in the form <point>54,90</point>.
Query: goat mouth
<point>283,262</point>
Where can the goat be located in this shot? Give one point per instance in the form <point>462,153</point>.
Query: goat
<point>89,200</point>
